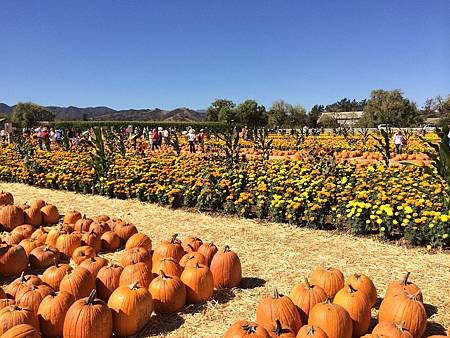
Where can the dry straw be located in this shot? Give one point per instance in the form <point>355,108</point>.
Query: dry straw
<point>272,255</point>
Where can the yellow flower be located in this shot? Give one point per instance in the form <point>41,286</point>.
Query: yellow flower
<point>444,218</point>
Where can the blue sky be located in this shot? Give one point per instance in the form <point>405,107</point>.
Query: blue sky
<point>167,54</point>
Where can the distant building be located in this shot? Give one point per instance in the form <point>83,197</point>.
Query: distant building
<point>344,119</point>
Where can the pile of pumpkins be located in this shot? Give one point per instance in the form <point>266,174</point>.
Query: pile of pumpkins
<point>328,306</point>
<point>71,291</point>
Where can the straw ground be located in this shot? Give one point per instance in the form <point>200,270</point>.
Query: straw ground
<point>272,255</point>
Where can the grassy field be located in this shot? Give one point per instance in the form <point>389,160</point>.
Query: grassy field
<point>272,254</point>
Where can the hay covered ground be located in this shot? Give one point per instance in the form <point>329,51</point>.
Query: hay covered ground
<point>272,254</point>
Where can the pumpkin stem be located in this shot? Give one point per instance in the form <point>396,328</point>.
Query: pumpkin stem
<point>357,275</point>
<point>249,328</point>
<point>197,265</point>
<point>327,301</point>
<point>275,293</point>
<point>307,283</point>
<point>226,248</point>
<point>405,279</point>
<point>91,298</point>
<point>351,288</point>
<point>278,328</point>
<point>192,248</point>
<point>311,331</point>
<point>162,274</point>
<point>134,285</point>
<point>22,277</point>
<point>400,326</point>
<point>174,238</point>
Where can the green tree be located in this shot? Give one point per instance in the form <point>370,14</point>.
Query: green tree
<point>28,114</point>
<point>251,114</point>
<point>391,107</point>
<point>346,105</point>
<point>329,122</point>
<point>278,113</point>
<point>297,116</point>
<point>314,115</point>
<point>220,109</point>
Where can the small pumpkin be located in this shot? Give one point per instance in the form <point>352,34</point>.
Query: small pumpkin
<point>131,307</point>
<point>88,318</point>
<point>364,284</point>
<point>356,303</point>
<point>110,241</point>
<point>139,240</point>
<point>277,306</point>
<point>404,285</point>
<point>52,312</point>
<point>191,243</point>
<point>308,331</point>
<point>134,255</point>
<point>99,228</point>
<point>40,234</point>
<point>6,198</point>
<point>199,283</point>
<point>94,264</point>
<point>13,260</point>
<point>72,217</point>
<point>107,280</point>
<point>329,279</point>
<point>191,258</point>
<point>170,248</point>
<point>83,224</point>
<point>246,329</point>
<point>21,232</point>
<point>13,315</point>
<point>92,239</point>
<point>33,216</point>
<point>331,318</point>
<point>78,282</point>
<point>168,293</point>
<point>31,296</point>
<point>50,214</point>
<point>43,257</point>
<point>67,243</point>
<point>305,296</point>
<point>226,269</point>
<point>52,236</point>
<point>24,280</point>
<point>125,231</point>
<point>38,203</point>
<point>139,272</point>
<point>208,250</point>
<point>29,245</point>
<point>392,330</point>
<point>169,266</point>
<point>82,253</point>
<point>55,274</point>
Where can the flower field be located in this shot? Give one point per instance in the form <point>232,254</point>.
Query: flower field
<point>324,184</point>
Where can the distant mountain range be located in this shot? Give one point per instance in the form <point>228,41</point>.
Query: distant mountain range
<point>72,113</point>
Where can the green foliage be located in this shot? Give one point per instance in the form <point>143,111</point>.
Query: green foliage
<point>221,110</point>
<point>392,108</point>
<point>383,146</point>
<point>232,147</point>
<point>329,122</point>
<point>175,142</point>
<point>314,115</point>
<point>346,105</point>
<point>251,114</point>
<point>263,143</point>
<point>27,152</point>
<point>29,114</point>
<point>283,114</point>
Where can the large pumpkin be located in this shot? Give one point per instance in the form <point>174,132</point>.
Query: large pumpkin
<point>168,293</point>
<point>33,216</point>
<point>404,285</point>
<point>11,217</point>
<point>131,306</point>
<point>13,260</point>
<point>125,230</point>
<point>72,217</point>
<point>356,303</point>
<point>277,306</point>
<point>208,250</point>
<point>78,282</point>
<point>331,318</point>
<point>108,279</point>
<point>52,312</point>
<point>110,241</point>
<point>135,255</point>
<point>22,331</point>
<point>92,239</point>
<point>94,264</point>
<point>88,318</point>
<point>83,224</point>
<point>407,309</point>
<point>170,248</point>
<point>308,331</point>
<point>82,253</point>
<point>191,243</point>
<point>67,243</point>
<point>392,330</point>
<point>139,240</point>
<point>50,214</point>
<point>23,231</point>
<point>54,274</point>
<point>31,296</point>
<point>364,284</point>
<point>29,244</point>
<point>24,280</point>
<point>226,269</point>
<point>136,272</point>
<point>191,258</point>
<point>329,279</point>
<point>199,283</point>
<point>305,296</point>
<point>13,315</point>
<point>246,329</point>
<point>169,266</point>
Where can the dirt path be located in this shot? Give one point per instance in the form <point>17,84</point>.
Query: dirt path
<point>272,255</point>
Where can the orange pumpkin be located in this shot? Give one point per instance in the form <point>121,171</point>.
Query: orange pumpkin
<point>82,253</point>
<point>55,274</point>
<point>139,272</point>
<point>110,241</point>
<point>13,315</point>
<point>168,293</point>
<point>107,280</point>
<point>24,280</point>
<point>52,312</point>
<point>31,296</point>
<point>305,296</point>
<point>280,307</point>
<point>67,243</point>
<point>208,250</point>
<point>391,330</point>
<point>246,329</point>
<point>331,318</point>
<point>33,216</point>
<point>43,257</point>
<point>72,217</point>
<point>135,255</point>
<point>329,279</point>
<point>78,282</point>
<point>83,224</point>
<point>50,214</point>
<point>29,244</point>
<point>6,198</point>
<point>13,260</point>
<point>199,283</point>
<point>191,258</point>
<point>92,239</point>
<point>139,240</point>
<point>404,286</point>
<point>125,230</point>
<point>364,284</point>
<point>94,264</point>
<point>22,331</point>
<point>170,248</point>
<point>191,243</point>
<point>308,331</point>
<point>11,217</point>
<point>226,269</point>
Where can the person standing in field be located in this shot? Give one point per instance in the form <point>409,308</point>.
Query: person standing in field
<point>398,141</point>
<point>201,139</point>
<point>154,139</point>
<point>191,140</point>
<point>166,136</point>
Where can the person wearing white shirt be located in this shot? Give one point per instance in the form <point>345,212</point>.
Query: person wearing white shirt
<point>191,140</point>
<point>398,141</point>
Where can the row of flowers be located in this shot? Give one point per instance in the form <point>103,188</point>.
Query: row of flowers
<point>391,203</point>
